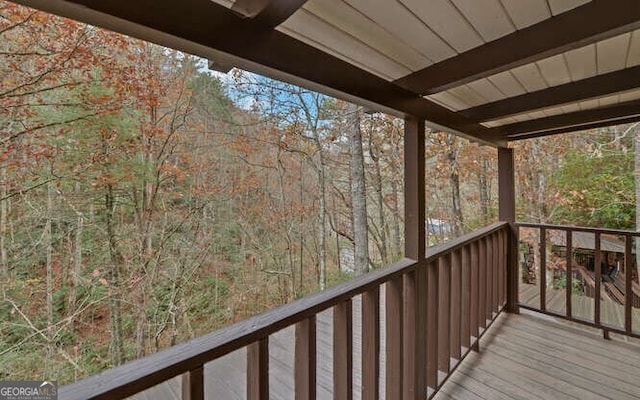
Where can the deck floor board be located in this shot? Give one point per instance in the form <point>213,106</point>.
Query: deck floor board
<point>536,357</point>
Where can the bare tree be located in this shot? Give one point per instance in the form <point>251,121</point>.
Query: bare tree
<point>358,192</point>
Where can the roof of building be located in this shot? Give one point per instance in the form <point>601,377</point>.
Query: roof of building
<point>587,241</point>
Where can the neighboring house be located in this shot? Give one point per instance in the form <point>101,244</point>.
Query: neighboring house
<point>438,227</point>
<point>584,261</point>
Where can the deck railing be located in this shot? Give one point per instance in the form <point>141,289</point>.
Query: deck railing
<point>435,309</point>
<point>607,300</point>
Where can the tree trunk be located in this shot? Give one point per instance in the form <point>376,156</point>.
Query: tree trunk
<point>540,185</point>
<point>301,239</point>
<point>358,194</point>
<point>290,291</point>
<point>322,223</point>
<point>454,181</point>
<point>382,223</point>
<point>484,190</point>
<point>77,270</point>
<point>320,168</point>
<point>48,239</point>
<point>397,238</point>
<point>115,307</point>
<point>4,263</point>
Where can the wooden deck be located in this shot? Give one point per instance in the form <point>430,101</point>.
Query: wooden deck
<point>582,307</point>
<point>526,356</point>
<point>225,379</point>
<point>534,357</point>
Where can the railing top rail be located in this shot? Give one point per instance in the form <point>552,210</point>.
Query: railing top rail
<point>455,244</point>
<point>577,228</point>
<point>149,371</point>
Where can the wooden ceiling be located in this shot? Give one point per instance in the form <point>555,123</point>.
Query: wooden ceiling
<point>490,70</point>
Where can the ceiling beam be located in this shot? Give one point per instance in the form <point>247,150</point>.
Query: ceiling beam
<point>197,26</point>
<point>267,13</point>
<point>569,120</point>
<point>597,86</point>
<point>593,125</point>
<point>589,23</point>
<point>219,67</point>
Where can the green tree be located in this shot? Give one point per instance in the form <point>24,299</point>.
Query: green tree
<point>596,188</point>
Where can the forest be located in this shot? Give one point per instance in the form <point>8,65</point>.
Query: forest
<point>146,200</point>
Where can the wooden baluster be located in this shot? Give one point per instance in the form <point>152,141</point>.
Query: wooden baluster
<point>415,325</point>
<point>499,262</point>
<point>444,313</point>
<point>569,273</point>
<point>465,330</point>
<point>496,275</point>
<point>628,293</point>
<point>543,269</point>
<point>343,351</point>
<point>475,295</point>
<point>394,333</point>
<point>482,283</point>
<point>193,384</point>
<point>597,288</point>
<point>371,344</point>
<point>258,370</point>
<point>305,359</point>
<point>433,284</point>
<point>456,297</point>
<point>489,279</point>
<point>502,299</point>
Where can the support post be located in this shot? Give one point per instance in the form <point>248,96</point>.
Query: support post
<point>507,213</point>
<point>414,187</point>
<point>414,346</point>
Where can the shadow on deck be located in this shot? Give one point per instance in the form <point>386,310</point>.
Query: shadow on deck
<point>225,378</point>
<point>527,356</point>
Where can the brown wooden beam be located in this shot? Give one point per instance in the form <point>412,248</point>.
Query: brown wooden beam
<point>193,384</point>
<point>572,120</point>
<point>343,351</point>
<point>507,213</point>
<point>415,283</point>
<point>305,359</point>
<point>597,86</point>
<point>267,13</point>
<point>258,370</point>
<point>595,125</point>
<point>370,387</point>
<point>394,337</point>
<point>203,26</point>
<point>592,22</point>
<point>414,183</point>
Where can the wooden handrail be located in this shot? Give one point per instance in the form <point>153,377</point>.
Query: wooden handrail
<point>188,358</point>
<point>149,371</point>
<point>626,295</point>
<point>573,228</point>
<point>436,251</point>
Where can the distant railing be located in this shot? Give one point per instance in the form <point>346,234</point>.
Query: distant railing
<point>614,292</point>
<point>436,310</point>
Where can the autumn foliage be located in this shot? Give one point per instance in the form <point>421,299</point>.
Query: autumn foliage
<point>145,201</point>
